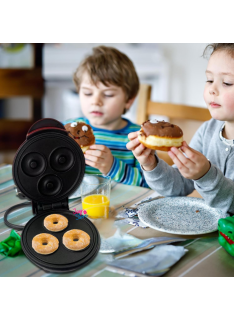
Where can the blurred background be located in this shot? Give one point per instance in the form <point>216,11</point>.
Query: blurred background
<point>36,81</point>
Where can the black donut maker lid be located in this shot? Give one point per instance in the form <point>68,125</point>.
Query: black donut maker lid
<point>48,167</point>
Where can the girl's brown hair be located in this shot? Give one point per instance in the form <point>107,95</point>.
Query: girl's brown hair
<point>213,47</point>
<point>109,66</point>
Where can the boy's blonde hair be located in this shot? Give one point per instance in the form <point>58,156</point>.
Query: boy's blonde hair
<point>213,47</point>
<point>109,66</point>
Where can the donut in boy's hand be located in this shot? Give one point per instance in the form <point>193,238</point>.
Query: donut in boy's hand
<point>82,133</point>
<point>160,135</point>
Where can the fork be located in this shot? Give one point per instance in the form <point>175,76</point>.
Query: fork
<point>136,206</point>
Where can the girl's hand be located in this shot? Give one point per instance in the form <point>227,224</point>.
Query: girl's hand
<point>144,155</point>
<point>194,167</point>
<point>100,157</point>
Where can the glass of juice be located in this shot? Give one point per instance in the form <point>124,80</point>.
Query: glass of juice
<point>95,196</point>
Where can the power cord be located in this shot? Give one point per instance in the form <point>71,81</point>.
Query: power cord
<point>14,208</point>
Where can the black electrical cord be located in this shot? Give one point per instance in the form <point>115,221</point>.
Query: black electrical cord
<point>14,208</point>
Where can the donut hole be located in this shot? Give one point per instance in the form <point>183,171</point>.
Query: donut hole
<point>75,239</point>
<point>44,241</point>
<point>55,221</point>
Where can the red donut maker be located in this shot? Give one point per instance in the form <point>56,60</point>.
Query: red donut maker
<point>48,167</point>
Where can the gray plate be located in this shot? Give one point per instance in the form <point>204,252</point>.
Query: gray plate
<point>180,215</point>
<point>88,179</point>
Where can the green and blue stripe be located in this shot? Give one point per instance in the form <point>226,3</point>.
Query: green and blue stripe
<point>125,169</point>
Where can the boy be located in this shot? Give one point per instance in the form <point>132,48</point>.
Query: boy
<point>107,84</point>
<point>207,164</point>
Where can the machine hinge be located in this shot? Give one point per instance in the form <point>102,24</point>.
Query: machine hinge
<point>40,207</point>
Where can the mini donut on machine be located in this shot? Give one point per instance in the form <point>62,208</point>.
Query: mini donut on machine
<point>48,167</point>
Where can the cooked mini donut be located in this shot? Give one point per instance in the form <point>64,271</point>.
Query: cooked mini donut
<point>160,135</point>
<point>76,239</point>
<point>82,133</point>
<point>45,243</point>
<point>55,222</point>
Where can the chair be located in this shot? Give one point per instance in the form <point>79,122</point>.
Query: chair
<point>187,117</point>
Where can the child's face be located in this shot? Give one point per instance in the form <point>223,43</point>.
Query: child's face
<point>102,105</point>
<point>219,88</point>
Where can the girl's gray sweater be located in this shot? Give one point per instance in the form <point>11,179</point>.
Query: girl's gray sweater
<point>216,186</point>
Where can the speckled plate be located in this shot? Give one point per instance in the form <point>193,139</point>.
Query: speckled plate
<point>180,215</point>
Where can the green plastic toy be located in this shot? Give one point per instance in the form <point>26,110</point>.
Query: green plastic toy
<point>226,234</point>
<point>11,246</point>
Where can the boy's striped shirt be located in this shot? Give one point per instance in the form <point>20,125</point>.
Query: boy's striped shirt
<point>125,169</point>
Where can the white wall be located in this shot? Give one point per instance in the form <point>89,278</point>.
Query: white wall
<point>186,84</point>
<point>186,81</point>
<point>187,72</point>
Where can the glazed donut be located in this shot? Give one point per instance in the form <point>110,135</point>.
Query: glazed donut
<point>45,243</point>
<point>160,135</point>
<point>55,222</point>
<point>76,239</point>
<point>82,133</point>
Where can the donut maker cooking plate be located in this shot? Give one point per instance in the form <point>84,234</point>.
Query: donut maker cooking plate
<point>47,168</point>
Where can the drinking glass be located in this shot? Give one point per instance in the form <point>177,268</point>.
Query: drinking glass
<point>95,196</point>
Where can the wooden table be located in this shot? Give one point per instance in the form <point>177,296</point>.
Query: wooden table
<point>205,258</point>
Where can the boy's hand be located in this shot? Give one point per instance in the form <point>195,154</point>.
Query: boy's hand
<point>194,167</point>
<point>100,157</point>
<point>144,155</point>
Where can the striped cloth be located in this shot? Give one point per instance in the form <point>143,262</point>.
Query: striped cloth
<point>125,169</point>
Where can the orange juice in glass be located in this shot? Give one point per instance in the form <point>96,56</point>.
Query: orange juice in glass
<point>96,197</point>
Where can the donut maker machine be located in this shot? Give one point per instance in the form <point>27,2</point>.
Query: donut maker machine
<point>48,167</point>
